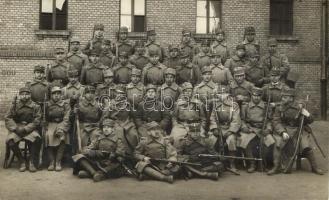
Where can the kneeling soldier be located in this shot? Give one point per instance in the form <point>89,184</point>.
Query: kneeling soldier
<point>102,158</point>
<point>22,121</point>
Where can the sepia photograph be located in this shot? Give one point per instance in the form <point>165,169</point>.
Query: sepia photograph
<point>164,99</point>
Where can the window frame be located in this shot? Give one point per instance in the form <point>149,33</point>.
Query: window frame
<point>282,23</point>
<point>133,15</point>
<point>53,16</point>
<point>208,14</point>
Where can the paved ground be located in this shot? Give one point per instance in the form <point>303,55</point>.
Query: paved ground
<point>300,185</point>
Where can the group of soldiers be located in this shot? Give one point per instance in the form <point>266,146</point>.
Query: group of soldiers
<point>134,108</point>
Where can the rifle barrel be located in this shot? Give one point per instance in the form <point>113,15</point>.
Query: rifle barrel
<point>229,157</point>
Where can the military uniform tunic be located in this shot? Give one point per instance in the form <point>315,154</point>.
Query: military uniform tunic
<point>188,73</point>
<point>122,74</point>
<point>201,60</point>
<point>172,62</point>
<point>235,62</point>
<point>92,74</point>
<point>221,75</point>
<point>155,47</point>
<point>277,61</point>
<point>169,94</point>
<point>273,91</point>
<point>153,74</point>
<point>57,74</point>
<point>222,49</point>
<point>94,45</point>
<point>243,89</point>
<point>257,75</point>
<point>252,48</point>
<point>135,93</point>
<point>77,60</point>
<point>39,88</point>
<point>139,61</point>
<point>124,46</point>
<point>189,48</point>
<point>108,59</point>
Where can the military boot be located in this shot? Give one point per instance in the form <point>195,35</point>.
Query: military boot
<point>87,168</point>
<point>59,156</point>
<point>31,166</point>
<point>99,176</point>
<point>212,175</point>
<point>249,154</point>
<point>311,158</point>
<point>50,153</point>
<point>276,162</point>
<point>33,155</point>
<point>252,167</point>
<point>233,168</point>
<point>17,152</point>
<point>157,175</point>
<point>83,174</point>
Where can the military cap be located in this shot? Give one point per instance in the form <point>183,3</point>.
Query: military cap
<point>139,43</point>
<point>256,91</point>
<point>205,43</point>
<point>94,53</point>
<point>206,69</point>
<point>186,32</point>
<point>172,47</point>
<point>153,126</point>
<point>99,27</point>
<point>240,46</point>
<point>214,53</point>
<point>184,55</point>
<point>75,39</point>
<point>59,50</point>
<point>136,71</point>
<point>275,72</point>
<point>123,29</point>
<point>238,71</point>
<point>292,76</point>
<point>39,68</point>
<point>272,42</point>
<point>120,89</point>
<point>187,85</point>
<point>73,73</point>
<point>286,91</point>
<point>108,73</point>
<point>123,54</point>
<point>56,89</point>
<point>219,31</point>
<point>108,122</point>
<point>149,87</point>
<point>24,89</point>
<point>250,30</point>
<point>222,89</point>
<point>151,32</point>
<point>170,71</point>
<point>152,52</point>
<point>107,42</point>
<point>90,89</point>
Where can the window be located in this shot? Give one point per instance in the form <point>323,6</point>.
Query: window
<point>132,15</point>
<point>208,15</point>
<point>281,18</point>
<point>53,14</point>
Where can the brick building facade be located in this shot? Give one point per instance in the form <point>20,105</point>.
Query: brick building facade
<point>23,44</point>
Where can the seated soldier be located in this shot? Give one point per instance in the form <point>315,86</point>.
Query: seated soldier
<point>240,87</point>
<point>253,130</point>
<point>286,122</point>
<point>22,122</point>
<point>102,158</point>
<point>155,146</point>
<point>57,73</point>
<point>256,73</point>
<point>58,124</point>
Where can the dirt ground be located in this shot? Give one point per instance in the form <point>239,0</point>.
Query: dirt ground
<point>300,185</point>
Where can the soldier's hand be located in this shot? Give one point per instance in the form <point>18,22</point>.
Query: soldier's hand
<point>169,165</point>
<point>272,104</point>
<point>305,112</point>
<point>20,131</point>
<point>285,136</point>
<point>59,133</point>
<point>147,159</point>
<point>215,132</point>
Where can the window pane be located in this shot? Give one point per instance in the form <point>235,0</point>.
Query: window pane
<point>201,8</point>
<point>139,6</point>
<point>61,16</point>
<point>45,21</point>
<point>60,4</point>
<point>47,6</point>
<point>213,24</point>
<point>201,25</point>
<point>125,20</point>
<point>281,17</point>
<point>139,24</point>
<point>126,7</point>
<point>214,9</point>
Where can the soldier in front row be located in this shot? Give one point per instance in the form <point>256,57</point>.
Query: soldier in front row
<point>22,122</point>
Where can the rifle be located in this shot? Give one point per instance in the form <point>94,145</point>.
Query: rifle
<point>175,162</point>
<point>77,128</point>
<point>263,129</point>
<point>222,157</point>
<point>299,137</point>
<point>125,167</point>
<point>44,129</point>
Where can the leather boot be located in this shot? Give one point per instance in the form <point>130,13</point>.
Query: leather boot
<point>157,175</point>
<point>252,167</point>
<point>83,174</point>
<point>50,152</point>
<point>311,158</point>
<point>87,167</point>
<point>249,154</point>
<point>232,163</point>
<point>59,157</point>
<point>33,156</point>
<point>99,176</point>
<point>17,152</point>
<point>210,175</point>
<point>276,161</point>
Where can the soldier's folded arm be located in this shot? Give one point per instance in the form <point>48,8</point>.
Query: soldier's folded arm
<point>138,153</point>
<point>9,120</point>
<point>36,121</point>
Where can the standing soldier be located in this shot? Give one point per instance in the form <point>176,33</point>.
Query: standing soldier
<point>93,73</point>
<point>240,88</point>
<point>101,159</point>
<point>188,114</point>
<point>108,87</point>
<point>75,57</point>
<point>272,91</point>
<point>106,57</point>
<point>256,73</point>
<point>153,46</point>
<point>220,46</point>
<point>203,57</point>
<point>153,73</point>
<point>151,110</point>
<point>275,60</point>
<point>139,59</point>
<point>122,71</point>
<point>220,74</point>
<point>57,74</point>
<point>187,71</point>
<point>39,86</point>
<point>237,60</point>
<point>253,130</point>
<point>73,90</point>
<point>89,115</point>
<point>22,122</point>
<point>187,45</point>
<point>252,46</point>
<point>173,60</point>
<point>225,122</point>
<point>124,44</point>
<point>155,146</point>
<point>135,89</point>
<point>95,44</point>
<point>57,117</point>
<point>286,122</point>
